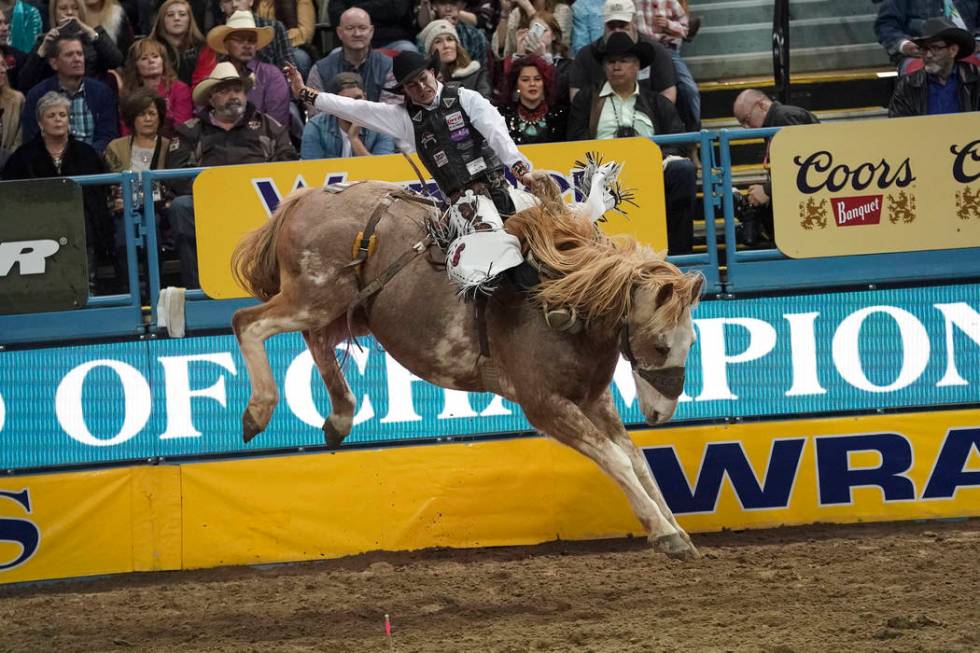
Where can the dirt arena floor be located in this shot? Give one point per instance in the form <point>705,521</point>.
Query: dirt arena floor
<point>889,587</point>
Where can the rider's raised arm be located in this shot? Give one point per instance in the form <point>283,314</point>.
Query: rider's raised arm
<point>390,119</point>
<point>492,126</point>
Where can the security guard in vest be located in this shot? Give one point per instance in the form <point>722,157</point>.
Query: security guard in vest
<point>460,137</point>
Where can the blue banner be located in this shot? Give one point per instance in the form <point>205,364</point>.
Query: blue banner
<point>773,356</point>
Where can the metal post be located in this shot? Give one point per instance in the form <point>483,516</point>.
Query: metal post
<point>780,50</point>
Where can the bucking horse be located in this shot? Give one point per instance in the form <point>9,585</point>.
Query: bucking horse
<point>631,301</point>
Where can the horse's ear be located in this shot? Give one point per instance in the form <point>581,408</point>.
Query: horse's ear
<point>696,289</point>
<point>664,293</point>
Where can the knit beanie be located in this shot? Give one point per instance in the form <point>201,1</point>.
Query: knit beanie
<point>437,28</point>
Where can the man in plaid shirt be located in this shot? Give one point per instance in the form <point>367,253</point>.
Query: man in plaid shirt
<point>279,52</point>
<point>666,21</point>
<point>92,116</point>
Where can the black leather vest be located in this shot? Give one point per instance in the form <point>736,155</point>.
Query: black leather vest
<point>450,147</point>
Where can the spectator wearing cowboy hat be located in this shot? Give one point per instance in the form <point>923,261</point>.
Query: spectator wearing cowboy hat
<point>900,22</point>
<point>460,137</point>
<point>278,52</point>
<point>228,130</point>
<point>240,40</point>
<point>586,70</point>
<point>945,83</point>
<point>622,108</point>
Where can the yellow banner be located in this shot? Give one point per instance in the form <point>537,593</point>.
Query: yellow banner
<point>88,523</point>
<point>874,187</point>
<point>496,493</point>
<point>233,200</point>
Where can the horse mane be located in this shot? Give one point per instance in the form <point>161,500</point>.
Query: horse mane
<point>584,269</point>
<point>255,263</point>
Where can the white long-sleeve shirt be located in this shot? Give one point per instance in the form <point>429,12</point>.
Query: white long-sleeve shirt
<point>393,119</point>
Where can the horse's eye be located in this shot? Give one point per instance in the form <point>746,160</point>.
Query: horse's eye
<point>663,351</point>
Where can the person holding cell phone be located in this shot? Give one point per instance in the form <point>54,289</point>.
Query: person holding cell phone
<point>504,41</point>
<point>69,19</point>
<point>541,36</point>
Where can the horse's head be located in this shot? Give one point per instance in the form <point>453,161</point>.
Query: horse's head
<point>655,339</point>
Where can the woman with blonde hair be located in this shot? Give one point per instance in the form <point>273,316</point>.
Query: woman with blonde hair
<point>504,42</point>
<point>454,64</point>
<point>147,66</point>
<point>70,18</point>
<point>541,35</point>
<point>180,35</point>
<point>11,105</point>
<point>110,15</point>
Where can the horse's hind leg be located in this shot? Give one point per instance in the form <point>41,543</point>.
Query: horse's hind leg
<point>321,343</point>
<point>565,422</point>
<point>603,414</point>
<point>252,326</point>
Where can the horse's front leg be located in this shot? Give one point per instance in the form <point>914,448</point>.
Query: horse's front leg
<point>253,326</point>
<point>602,412</point>
<point>321,343</point>
<point>564,421</point>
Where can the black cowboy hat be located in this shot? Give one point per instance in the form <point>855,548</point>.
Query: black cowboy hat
<point>619,44</point>
<point>943,29</point>
<point>407,65</point>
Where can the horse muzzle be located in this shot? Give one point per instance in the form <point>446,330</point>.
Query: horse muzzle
<point>668,381</point>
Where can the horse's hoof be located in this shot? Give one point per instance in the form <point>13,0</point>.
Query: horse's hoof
<point>250,428</point>
<point>333,437</point>
<point>674,546</point>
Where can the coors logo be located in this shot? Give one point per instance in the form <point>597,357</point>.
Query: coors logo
<point>853,211</point>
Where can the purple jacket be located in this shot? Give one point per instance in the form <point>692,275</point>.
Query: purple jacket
<point>270,95</point>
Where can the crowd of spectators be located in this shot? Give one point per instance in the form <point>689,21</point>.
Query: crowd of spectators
<point>100,85</point>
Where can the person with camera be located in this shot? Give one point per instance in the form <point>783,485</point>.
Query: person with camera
<point>753,109</point>
<point>68,18</point>
<point>622,108</point>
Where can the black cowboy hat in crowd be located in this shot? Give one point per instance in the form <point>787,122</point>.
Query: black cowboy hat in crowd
<point>619,44</point>
<point>943,29</point>
<point>408,65</point>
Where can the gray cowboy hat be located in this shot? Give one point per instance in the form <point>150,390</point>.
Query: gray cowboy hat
<point>943,29</point>
<point>619,44</point>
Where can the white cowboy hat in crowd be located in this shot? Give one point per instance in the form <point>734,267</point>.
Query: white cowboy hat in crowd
<point>223,72</point>
<point>240,21</point>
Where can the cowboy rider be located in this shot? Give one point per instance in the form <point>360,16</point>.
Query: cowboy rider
<point>459,136</point>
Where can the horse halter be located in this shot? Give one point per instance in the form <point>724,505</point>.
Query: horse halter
<point>668,381</point>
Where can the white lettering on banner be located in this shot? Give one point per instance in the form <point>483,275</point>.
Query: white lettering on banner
<point>177,386</point>
<point>847,354</point>
<point>714,354</point>
<point>31,254</point>
<point>457,404</point>
<point>624,381</point>
<point>400,405</point>
<point>137,403</point>
<point>496,408</point>
<point>968,321</point>
<point>299,391</point>
<point>803,350</point>
<point>3,413</point>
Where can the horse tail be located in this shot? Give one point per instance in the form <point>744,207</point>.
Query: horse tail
<point>254,263</point>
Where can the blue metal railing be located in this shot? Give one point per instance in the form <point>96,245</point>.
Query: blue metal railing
<point>104,316</point>
<point>738,272</point>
